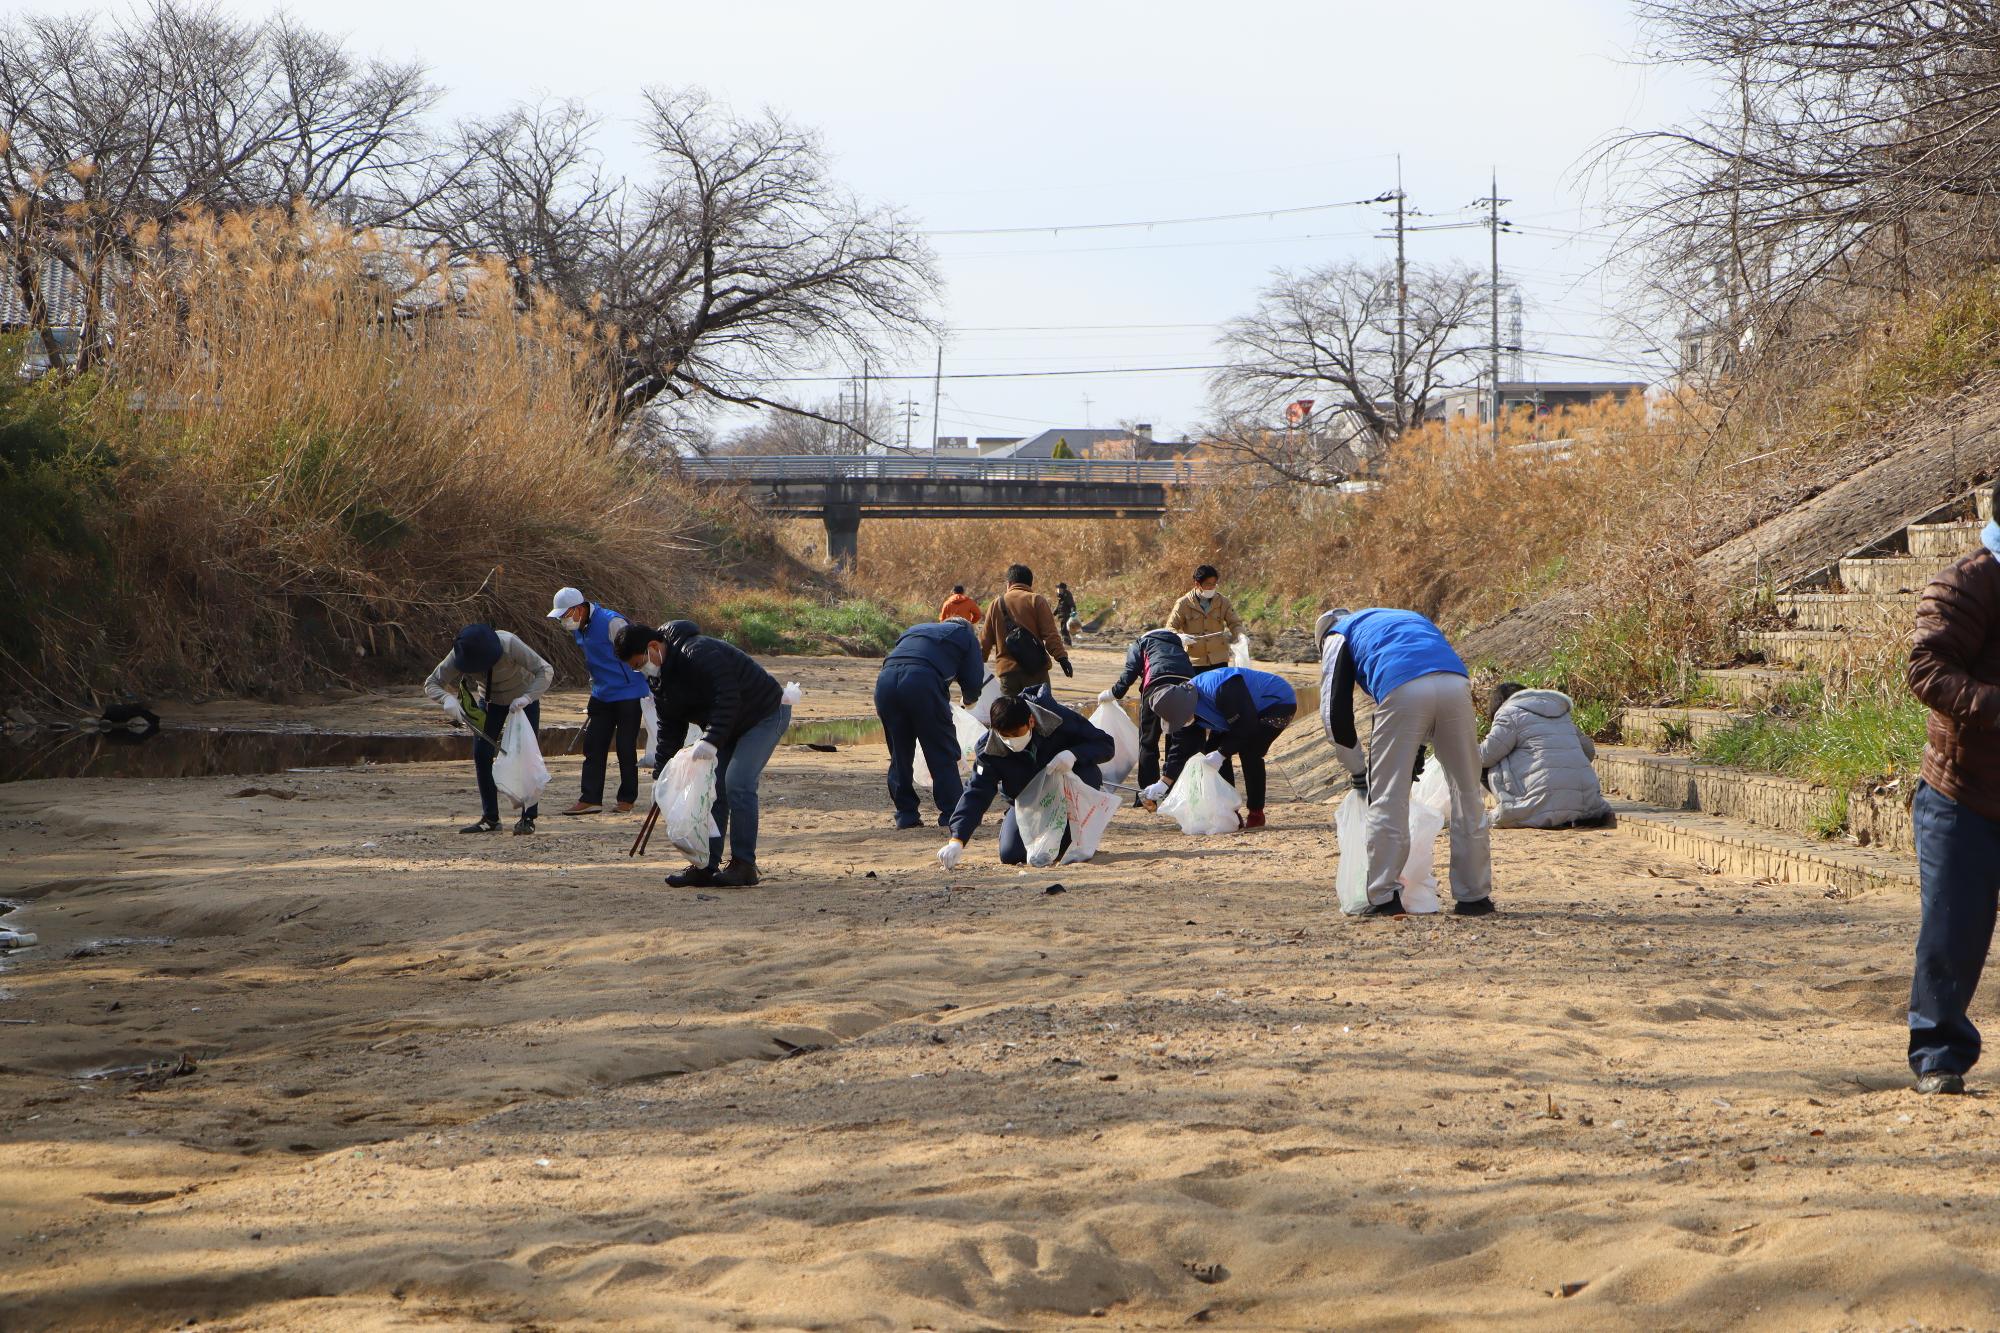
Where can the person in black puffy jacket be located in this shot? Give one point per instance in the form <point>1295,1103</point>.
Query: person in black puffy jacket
<point>1156,661</point>
<point>742,712</point>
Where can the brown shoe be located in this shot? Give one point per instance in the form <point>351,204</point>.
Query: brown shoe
<point>623,808</point>
<point>737,875</point>
<point>584,808</point>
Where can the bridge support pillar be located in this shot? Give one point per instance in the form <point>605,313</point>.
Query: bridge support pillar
<point>843,534</point>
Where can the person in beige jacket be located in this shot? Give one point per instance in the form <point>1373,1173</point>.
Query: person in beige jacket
<point>1021,606</point>
<point>1206,622</point>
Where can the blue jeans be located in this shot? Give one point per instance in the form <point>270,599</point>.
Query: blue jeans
<point>915,710</point>
<point>737,770</point>
<point>1013,848</point>
<point>1958,870</point>
<point>483,753</point>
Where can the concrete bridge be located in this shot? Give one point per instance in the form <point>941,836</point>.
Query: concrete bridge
<point>843,489</point>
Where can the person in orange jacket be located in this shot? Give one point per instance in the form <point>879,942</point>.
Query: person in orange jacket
<point>958,604</point>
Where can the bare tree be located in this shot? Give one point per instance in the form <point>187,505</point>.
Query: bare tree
<point>738,260</point>
<point>1329,334</point>
<point>836,426</point>
<point>107,132</point>
<point>1853,146</point>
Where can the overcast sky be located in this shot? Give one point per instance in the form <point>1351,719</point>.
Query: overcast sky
<point>1040,112</point>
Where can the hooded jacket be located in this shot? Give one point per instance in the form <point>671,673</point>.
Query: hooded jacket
<point>1955,670</point>
<point>493,662</point>
<point>1030,610</point>
<point>711,684</point>
<point>1214,628</point>
<point>1155,658</point>
<point>958,604</point>
<point>999,769</point>
<point>1540,763</point>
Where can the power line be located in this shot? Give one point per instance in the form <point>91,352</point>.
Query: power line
<point>1001,374</point>
<point>1158,222</point>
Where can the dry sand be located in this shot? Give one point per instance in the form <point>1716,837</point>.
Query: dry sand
<point>448,1082</point>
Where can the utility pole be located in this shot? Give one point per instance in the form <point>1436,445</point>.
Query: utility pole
<point>937,385</point>
<point>865,429</point>
<point>1493,202</point>
<point>1086,411</point>
<point>1402,299</point>
<point>909,423</point>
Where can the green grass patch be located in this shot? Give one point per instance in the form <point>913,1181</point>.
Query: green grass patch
<point>1840,745</point>
<point>773,624</point>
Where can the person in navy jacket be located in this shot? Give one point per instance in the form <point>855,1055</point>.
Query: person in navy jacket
<point>913,699</point>
<point>1223,714</point>
<point>1155,662</point>
<point>614,708</point>
<point>1422,692</point>
<point>1029,732</point>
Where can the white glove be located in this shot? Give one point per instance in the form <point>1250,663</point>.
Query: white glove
<point>1157,792</point>
<point>704,753</point>
<point>1063,762</point>
<point>454,710</point>
<point>949,853</point>
<point>1107,697</point>
<point>519,704</point>
<point>1213,759</point>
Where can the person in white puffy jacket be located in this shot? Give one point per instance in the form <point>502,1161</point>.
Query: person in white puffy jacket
<point>1537,762</point>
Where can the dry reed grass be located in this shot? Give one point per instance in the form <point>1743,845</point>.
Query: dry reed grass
<point>333,453</point>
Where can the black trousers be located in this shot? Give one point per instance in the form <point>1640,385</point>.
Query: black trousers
<point>1190,742</point>
<point>604,719</point>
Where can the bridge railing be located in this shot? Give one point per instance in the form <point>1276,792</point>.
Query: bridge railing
<point>893,467</point>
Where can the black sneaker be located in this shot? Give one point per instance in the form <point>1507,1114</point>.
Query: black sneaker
<point>483,826</point>
<point>1477,907</point>
<point>1952,1085</point>
<point>523,827</point>
<point>737,875</point>
<point>903,824</point>
<point>1394,907</point>
<point>694,877</point>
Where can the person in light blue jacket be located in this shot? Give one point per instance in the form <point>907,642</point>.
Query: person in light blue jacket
<point>1422,692</point>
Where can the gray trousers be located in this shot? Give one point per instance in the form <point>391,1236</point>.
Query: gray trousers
<point>1436,708</point>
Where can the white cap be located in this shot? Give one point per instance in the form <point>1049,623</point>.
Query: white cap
<point>567,600</point>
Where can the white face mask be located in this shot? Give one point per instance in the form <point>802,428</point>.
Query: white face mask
<point>650,669</point>
<point>1020,742</point>
<point>1205,597</point>
<point>573,625</point>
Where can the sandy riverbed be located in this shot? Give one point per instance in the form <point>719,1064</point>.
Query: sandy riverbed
<point>447,1082</point>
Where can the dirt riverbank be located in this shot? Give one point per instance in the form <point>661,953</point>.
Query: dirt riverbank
<point>449,1082</point>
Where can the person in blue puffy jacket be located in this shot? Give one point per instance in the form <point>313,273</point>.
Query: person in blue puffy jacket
<point>1225,714</point>
<point>1422,692</point>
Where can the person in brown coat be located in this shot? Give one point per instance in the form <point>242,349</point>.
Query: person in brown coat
<point>1955,670</point>
<point>1207,623</point>
<point>1022,608</point>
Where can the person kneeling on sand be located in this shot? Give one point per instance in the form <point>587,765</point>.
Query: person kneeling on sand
<point>1229,712</point>
<point>1028,733</point>
<point>742,711</point>
<point>1537,762</point>
<point>1422,692</point>
<point>488,674</point>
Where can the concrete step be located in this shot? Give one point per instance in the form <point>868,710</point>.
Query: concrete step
<point>1816,650</point>
<point>1943,542</point>
<point>1674,726</point>
<point>1763,800</point>
<point>1736,849</point>
<point>1889,574</point>
<point>1754,687</point>
<point>1864,611</point>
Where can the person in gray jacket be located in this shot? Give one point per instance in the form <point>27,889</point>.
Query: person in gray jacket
<point>1537,762</point>
<point>488,674</point>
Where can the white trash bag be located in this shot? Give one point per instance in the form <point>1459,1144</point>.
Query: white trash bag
<point>685,795</point>
<point>1090,812</point>
<point>518,770</point>
<point>1041,814</point>
<point>649,724</point>
<point>1115,722</point>
<point>969,731</point>
<point>1239,651</point>
<point>1430,809</point>
<point>1350,878</point>
<point>982,707</point>
<point>1201,802</point>
<point>791,694</point>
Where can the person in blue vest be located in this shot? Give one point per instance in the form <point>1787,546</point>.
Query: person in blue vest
<point>1028,732</point>
<point>1422,692</point>
<point>1225,713</point>
<point>913,699</point>
<point>615,707</point>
